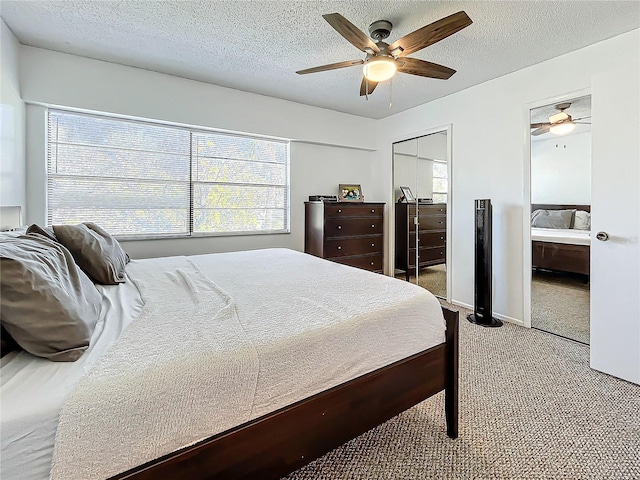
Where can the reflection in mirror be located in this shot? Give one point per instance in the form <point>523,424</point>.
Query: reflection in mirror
<point>420,225</point>
<point>561,218</point>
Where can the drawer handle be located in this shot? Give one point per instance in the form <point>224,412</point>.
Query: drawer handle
<point>441,253</point>
<point>373,244</point>
<point>441,238</point>
<point>339,210</point>
<point>373,211</point>
<point>339,227</point>
<point>372,225</point>
<point>372,263</point>
<point>439,222</point>
<point>339,247</point>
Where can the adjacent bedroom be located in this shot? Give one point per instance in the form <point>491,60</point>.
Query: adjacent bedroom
<point>242,240</point>
<point>561,218</point>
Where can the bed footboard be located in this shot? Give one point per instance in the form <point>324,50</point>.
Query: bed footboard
<point>283,441</point>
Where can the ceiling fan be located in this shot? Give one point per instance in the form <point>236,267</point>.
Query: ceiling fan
<point>382,60</point>
<point>560,123</point>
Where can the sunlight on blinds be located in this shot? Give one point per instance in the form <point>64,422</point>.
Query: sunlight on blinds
<point>139,179</point>
<point>240,184</point>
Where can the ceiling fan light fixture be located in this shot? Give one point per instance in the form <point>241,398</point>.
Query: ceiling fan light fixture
<point>379,69</point>
<point>562,128</point>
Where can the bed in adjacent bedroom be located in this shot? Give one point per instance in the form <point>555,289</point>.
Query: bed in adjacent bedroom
<point>561,238</point>
<point>227,364</point>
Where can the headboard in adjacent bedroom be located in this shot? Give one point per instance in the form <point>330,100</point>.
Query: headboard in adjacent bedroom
<point>542,206</point>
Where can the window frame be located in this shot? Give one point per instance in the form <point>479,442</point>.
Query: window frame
<point>434,192</point>
<point>192,129</point>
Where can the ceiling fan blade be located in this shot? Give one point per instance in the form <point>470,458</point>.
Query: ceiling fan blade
<point>541,130</point>
<point>349,31</point>
<point>414,66</point>
<point>538,125</point>
<point>432,33</point>
<point>363,87</point>
<point>583,123</point>
<point>331,66</point>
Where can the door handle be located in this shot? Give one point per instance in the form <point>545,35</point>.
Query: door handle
<point>602,236</point>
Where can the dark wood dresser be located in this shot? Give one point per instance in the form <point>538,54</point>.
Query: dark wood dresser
<point>349,233</point>
<point>432,236</point>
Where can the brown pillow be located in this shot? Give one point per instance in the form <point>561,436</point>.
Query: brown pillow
<point>96,252</point>
<point>48,305</point>
<point>46,231</point>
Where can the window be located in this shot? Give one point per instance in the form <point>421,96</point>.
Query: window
<point>440,181</point>
<point>141,180</point>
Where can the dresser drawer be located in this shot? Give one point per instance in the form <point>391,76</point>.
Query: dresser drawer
<point>340,247</point>
<point>345,227</point>
<point>434,209</point>
<point>428,239</point>
<point>432,254</point>
<point>367,262</point>
<point>430,222</point>
<point>425,209</point>
<point>340,211</point>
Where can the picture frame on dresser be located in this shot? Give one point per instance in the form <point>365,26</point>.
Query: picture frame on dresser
<point>407,195</point>
<point>350,192</point>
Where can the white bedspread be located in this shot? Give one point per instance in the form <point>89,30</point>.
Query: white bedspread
<point>560,235</point>
<point>34,389</point>
<point>300,325</point>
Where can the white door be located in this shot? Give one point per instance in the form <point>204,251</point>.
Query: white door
<point>615,209</point>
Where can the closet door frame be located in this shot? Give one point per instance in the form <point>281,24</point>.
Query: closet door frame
<point>391,215</point>
<point>526,189</point>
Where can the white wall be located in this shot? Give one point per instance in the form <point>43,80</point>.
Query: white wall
<point>12,124</point>
<point>330,147</point>
<point>561,170</point>
<point>488,157</point>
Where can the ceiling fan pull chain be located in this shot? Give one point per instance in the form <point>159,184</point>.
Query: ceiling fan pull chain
<point>390,93</point>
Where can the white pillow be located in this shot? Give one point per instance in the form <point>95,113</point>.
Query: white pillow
<point>582,220</point>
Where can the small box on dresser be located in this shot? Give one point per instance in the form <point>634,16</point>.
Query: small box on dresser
<point>432,236</point>
<point>348,233</point>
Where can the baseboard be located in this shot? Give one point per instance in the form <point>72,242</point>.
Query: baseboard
<point>499,316</point>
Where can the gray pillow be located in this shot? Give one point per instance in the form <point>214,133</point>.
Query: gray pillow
<point>552,218</point>
<point>96,252</point>
<point>47,304</point>
<point>582,220</point>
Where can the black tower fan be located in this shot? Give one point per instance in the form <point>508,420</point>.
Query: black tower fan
<point>482,308</point>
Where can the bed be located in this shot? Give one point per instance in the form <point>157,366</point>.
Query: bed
<point>561,249</point>
<point>394,344</point>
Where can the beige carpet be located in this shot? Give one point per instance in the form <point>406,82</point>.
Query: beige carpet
<point>560,305</point>
<point>530,408</point>
<point>433,279</point>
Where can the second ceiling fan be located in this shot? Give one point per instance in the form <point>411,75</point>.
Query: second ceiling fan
<point>559,124</point>
<point>382,60</point>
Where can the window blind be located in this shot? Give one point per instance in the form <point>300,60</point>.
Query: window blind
<point>140,179</point>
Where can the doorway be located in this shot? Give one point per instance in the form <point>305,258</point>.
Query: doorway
<point>421,188</point>
<point>560,217</point>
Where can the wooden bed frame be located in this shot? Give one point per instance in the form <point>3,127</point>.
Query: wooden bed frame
<point>281,442</point>
<point>561,257</point>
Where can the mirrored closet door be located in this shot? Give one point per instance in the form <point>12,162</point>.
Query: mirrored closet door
<point>420,177</point>
<point>561,218</point>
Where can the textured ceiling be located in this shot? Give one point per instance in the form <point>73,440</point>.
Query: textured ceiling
<point>257,46</point>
